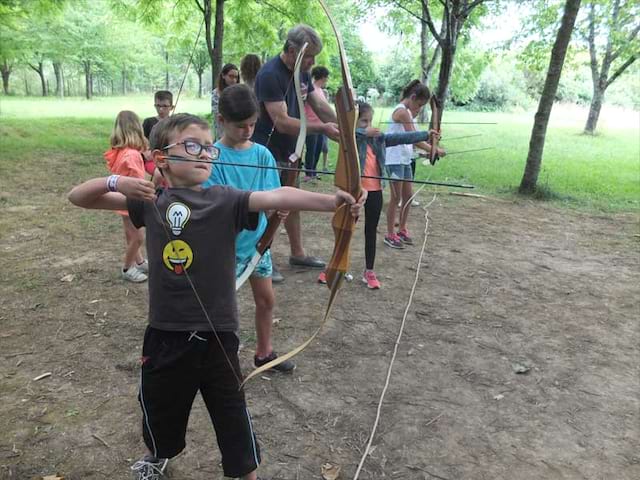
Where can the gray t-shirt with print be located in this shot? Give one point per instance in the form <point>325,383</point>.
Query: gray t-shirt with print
<point>195,235</point>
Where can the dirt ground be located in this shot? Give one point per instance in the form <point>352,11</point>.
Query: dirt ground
<point>504,286</point>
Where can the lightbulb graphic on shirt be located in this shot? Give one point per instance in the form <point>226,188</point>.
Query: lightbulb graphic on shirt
<point>178,215</point>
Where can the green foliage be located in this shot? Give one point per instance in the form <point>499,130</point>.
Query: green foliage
<point>626,91</point>
<point>465,80</point>
<point>400,67</point>
<point>501,87</point>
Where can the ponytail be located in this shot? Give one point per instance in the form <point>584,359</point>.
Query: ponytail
<point>415,87</point>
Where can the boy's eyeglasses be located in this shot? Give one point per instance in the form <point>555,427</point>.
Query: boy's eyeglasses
<point>157,105</point>
<point>195,149</point>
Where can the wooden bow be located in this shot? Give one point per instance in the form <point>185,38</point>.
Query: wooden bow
<point>348,179</point>
<point>347,176</point>
<point>436,117</point>
<point>289,179</point>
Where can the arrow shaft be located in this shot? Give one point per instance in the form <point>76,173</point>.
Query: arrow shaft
<point>325,172</point>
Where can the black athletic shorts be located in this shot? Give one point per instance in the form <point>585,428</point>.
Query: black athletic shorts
<point>175,366</point>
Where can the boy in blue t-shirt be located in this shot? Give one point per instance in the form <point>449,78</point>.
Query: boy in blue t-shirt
<point>238,112</point>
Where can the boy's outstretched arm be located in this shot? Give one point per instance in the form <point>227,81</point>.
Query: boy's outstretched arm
<point>293,199</point>
<point>95,193</point>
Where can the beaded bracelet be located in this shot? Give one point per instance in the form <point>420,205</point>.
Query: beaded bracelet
<point>112,183</point>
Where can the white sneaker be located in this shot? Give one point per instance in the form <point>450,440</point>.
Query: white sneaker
<point>134,274</point>
<point>144,266</point>
<point>150,468</point>
<point>415,203</point>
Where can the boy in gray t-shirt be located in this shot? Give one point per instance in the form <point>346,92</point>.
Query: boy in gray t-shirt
<point>191,343</point>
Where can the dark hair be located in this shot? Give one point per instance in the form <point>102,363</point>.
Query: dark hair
<point>319,72</point>
<point>221,84</point>
<point>237,103</point>
<point>249,66</point>
<point>163,95</point>
<point>164,132</point>
<point>418,89</point>
<point>364,107</point>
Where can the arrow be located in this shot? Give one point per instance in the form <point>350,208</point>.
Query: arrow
<point>325,172</point>
<point>446,123</point>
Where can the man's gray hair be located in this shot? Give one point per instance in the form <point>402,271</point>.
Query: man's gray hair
<point>301,34</point>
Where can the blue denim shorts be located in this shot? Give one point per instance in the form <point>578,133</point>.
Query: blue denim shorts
<point>264,269</point>
<point>399,172</point>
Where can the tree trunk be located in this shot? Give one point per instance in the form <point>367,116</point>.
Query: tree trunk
<point>424,36</point>
<point>124,81</point>
<point>166,74</point>
<point>26,85</point>
<point>594,110</point>
<point>538,133</point>
<point>5,68</point>
<point>207,30</point>
<point>57,70</point>
<point>424,43</point>
<point>200,84</point>
<point>446,67</point>
<point>88,80</point>
<point>214,47</point>
<point>601,79</point>
<point>40,71</point>
<point>65,84</point>
<point>218,38</point>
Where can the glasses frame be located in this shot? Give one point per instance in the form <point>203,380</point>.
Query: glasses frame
<point>212,151</point>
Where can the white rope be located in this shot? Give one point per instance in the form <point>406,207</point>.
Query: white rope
<point>397,344</point>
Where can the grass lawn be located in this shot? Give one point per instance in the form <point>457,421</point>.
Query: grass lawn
<point>600,172</point>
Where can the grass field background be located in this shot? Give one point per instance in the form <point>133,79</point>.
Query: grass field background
<point>599,172</point>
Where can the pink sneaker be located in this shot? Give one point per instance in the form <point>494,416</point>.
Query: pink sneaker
<point>322,278</point>
<point>404,237</point>
<point>369,277</point>
<point>393,241</point>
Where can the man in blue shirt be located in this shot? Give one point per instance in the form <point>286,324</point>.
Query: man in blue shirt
<point>278,125</point>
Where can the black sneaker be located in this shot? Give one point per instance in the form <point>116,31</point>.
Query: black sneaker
<point>285,367</point>
<point>306,261</point>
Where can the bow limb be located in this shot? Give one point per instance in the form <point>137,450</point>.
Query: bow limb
<point>347,168</point>
<point>436,117</point>
<point>289,179</point>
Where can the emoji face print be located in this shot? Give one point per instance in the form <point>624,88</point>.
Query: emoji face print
<point>177,256</point>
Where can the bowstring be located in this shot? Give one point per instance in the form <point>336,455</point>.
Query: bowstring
<point>197,295</point>
<point>186,72</point>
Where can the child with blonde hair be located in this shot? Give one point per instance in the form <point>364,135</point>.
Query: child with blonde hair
<point>125,158</point>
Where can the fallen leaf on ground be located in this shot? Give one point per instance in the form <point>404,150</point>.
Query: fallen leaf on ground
<point>68,278</point>
<point>330,472</point>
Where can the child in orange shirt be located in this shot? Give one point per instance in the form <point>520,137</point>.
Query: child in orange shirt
<point>125,158</point>
<point>372,144</point>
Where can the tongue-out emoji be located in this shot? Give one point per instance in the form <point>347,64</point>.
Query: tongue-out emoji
<point>177,256</point>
